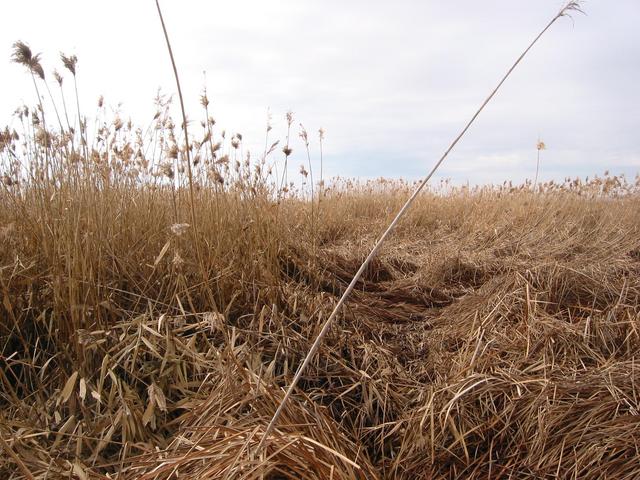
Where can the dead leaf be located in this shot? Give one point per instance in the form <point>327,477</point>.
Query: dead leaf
<point>162,253</point>
<point>68,387</point>
<point>83,388</point>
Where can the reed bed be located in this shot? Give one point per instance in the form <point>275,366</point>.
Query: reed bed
<point>495,336</point>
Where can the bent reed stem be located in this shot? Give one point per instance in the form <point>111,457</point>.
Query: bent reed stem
<point>205,276</point>
<point>570,6</point>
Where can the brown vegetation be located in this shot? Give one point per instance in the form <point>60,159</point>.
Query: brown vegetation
<point>496,334</point>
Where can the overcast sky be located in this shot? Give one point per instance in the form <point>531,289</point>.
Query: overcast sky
<point>391,82</point>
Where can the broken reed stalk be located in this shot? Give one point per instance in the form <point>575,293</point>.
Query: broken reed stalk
<point>565,11</point>
<point>205,276</point>
<point>7,448</point>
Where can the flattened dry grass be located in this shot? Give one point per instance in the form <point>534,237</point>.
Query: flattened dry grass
<point>497,335</point>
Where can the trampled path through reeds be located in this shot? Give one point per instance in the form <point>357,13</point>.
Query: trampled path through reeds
<point>497,335</point>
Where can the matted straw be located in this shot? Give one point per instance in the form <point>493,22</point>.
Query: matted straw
<point>565,11</point>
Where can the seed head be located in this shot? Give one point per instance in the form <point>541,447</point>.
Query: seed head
<point>217,177</point>
<point>167,170</point>
<point>179,228</point>
<point>177,261</point>
<point>273,147</point>
<point>303,135</point>
<point>8,181</point>
<point>571,6</point>
<point>69,62</point>
<point>58,77</point>
<point>23,55</point>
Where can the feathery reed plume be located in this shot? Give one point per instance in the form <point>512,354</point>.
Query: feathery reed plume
<point>22,54</point>
<point>70,62</point>
<point>571,6</point>
<point>58,77</point>
<point>305,138</point>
